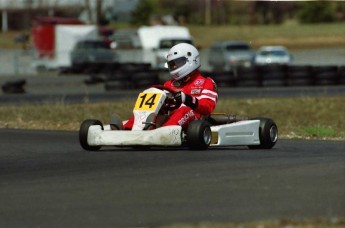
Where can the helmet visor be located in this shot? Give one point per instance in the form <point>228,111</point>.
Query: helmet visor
<point>176,63</point>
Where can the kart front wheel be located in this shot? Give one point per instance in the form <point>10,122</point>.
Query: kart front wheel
<point>83,133</point>
<point>199,135</point>
<point>268,134</point>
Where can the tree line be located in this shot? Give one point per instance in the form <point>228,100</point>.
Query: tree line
<point>220,12</point>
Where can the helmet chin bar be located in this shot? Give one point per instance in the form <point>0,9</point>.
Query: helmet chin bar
<point>185,78</point>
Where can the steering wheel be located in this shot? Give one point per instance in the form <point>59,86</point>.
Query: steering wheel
<point>170,102</point>
<point>162,87</point>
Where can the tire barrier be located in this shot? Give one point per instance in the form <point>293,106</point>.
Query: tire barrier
<point>136,75</point>
<point>130,76</point>
<point>223,79</point>
<point>144,79</point>
<point>247,77</point>
<point>341,76</point>
<point>325,75</point>
<point>299,76</point>
<point>131,80</point>
<point>12,87</point>
<point>118,80</point>
<point>273,75</point>
<point>281,75</point>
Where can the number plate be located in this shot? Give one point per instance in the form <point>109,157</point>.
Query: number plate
<point>147,101</point>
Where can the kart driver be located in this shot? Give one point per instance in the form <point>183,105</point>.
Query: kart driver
<point>195,95</point>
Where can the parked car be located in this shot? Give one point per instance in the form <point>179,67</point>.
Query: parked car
<point>88,52</point>
<point>272,55</point>
<point>149,44</point>
<point>227,55</point>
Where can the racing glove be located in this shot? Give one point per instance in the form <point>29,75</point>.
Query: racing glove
<point>181,97</point>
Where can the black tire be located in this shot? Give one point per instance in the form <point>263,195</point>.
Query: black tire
<point>224,79</point>
<point>144,79</point>
<point>13,87</point>
<point>83,132</point>
<point>325,75</point>
<point>116,85</point>
<point>247,77</point>
<point>341,75</point>
<point>199,135</point>
<point>273,75</point>
<point>268,134</point>
<point>299,75</point>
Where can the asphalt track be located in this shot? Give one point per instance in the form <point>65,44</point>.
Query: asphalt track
<point>47,180</point>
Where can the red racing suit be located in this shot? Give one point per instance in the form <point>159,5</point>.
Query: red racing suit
<point>203,92</point>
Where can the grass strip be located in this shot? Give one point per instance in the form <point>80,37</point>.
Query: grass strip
<point>334,222</point>
<point>292,35</point>
<point>300,117</point>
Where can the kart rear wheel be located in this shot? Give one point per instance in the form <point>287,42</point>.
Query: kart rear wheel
<point>199,135</point>
<point>83,132</point>
<point>268,134</point>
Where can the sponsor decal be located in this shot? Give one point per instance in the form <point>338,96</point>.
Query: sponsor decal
<point>199,82</point>
<point>195,91</point>
<point>186,117</point>
<point>175,135</point>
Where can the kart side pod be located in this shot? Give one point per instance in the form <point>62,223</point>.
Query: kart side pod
<point>257,133</point>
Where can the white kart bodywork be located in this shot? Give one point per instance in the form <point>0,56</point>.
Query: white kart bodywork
<point>236,134</point>
<point>164,136</point>
<point>233,134</point>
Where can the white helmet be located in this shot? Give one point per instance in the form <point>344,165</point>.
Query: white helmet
<point>182,59</point>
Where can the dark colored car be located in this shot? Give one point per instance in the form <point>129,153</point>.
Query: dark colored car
<point>92,52</point>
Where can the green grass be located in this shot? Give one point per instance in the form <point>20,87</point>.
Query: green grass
<point>295,223</point>
<point>293,35</point>
<point>300,117</point>
<point>294,115</point>
<point>7,39</point>
<point>319,131</point>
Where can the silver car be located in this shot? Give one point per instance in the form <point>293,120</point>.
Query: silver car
<point>272,55</point>
<point>227,55</point>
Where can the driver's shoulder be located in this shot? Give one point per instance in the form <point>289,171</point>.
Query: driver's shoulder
<point>205,81</point>
<point>168,83</point>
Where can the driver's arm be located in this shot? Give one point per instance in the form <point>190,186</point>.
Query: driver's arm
<point>205,102</point>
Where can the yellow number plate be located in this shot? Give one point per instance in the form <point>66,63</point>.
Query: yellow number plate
<point>147,101</point>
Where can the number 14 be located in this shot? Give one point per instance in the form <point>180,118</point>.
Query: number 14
<point>147,101</point>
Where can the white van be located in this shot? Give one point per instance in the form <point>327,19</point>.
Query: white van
<point>148,44</point>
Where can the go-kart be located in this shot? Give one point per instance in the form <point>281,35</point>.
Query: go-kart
<point>151,109</point>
